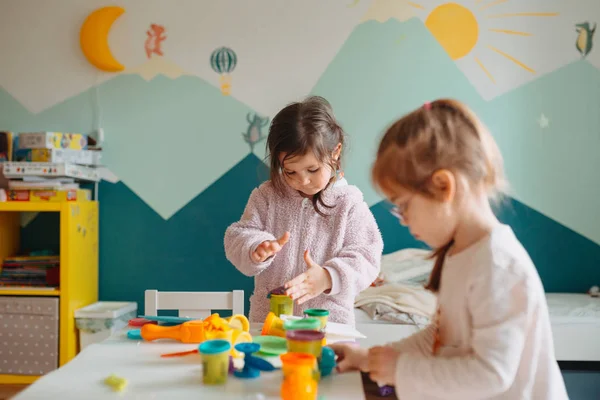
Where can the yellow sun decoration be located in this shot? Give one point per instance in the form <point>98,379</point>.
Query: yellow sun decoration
<point>456,28</point>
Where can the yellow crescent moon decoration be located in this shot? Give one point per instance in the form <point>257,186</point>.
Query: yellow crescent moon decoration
<point>94,38</point>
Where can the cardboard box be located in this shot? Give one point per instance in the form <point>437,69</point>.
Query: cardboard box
<point>31,324</point>
<point>49,170</point>
<point>6,146</point>
<point>81,157</point>
<point>49,195</point>
<point>53,140</point>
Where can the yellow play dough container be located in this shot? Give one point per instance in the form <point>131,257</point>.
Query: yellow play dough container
<point>305,341</point>
<point>273,326</point>
<point>320,314</point>
<point>215,361</point>
<point>281,305</point>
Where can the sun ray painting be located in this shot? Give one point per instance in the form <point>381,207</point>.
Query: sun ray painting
<point>493,42</point>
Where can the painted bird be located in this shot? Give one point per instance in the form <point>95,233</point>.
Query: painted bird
<point>584,38</point>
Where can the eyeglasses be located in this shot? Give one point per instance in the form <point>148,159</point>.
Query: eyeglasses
<point>400,211</point>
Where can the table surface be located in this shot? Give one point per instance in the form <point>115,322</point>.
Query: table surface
<point>151,377</point>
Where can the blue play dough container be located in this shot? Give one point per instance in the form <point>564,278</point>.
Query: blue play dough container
<point>252,364</point>
<point>327,363</point>
<point>215,361</point>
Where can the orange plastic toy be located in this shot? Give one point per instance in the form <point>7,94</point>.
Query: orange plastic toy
<point>188,332</point>
<point>300,376</point>
<point>196,331</point>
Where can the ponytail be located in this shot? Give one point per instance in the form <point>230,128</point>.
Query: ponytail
<point>436,274</point>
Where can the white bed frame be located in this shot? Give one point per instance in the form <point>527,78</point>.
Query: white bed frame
<point>576,339</point>
<point>571,342</point>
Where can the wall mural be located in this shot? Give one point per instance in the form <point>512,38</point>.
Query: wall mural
<point>154,41</point>
<point>585,35</point>
<point>186,123</point>
<point>254,134</point>
<point>223,61</point>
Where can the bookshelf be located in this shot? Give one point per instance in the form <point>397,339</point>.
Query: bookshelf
<point>78,267</point>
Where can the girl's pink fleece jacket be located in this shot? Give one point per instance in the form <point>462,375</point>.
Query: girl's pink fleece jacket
<point>347,243</point>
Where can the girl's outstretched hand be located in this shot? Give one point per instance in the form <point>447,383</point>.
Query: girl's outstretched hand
<point>381,364</point>
<point>268,248</point>
<point>309,284</point>
<point>350,357</point>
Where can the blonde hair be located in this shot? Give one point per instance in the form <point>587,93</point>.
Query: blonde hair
<point>444,134</point>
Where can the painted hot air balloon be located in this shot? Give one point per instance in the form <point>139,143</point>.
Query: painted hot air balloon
<point>223,61</point>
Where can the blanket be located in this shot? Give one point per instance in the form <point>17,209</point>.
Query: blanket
<point>398,303</point>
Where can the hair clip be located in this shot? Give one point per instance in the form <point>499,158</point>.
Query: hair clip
<point>427,105</point>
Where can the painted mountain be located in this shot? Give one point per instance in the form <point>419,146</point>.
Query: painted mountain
<point>375,78</point>
<point>139,250</point>
<point>166,139</point>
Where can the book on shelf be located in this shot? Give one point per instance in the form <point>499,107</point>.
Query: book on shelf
<point>30,271</point>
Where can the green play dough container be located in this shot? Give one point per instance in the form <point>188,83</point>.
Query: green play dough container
<point>306,324</point>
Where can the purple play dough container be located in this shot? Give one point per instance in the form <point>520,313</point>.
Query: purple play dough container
<point>305,341</point>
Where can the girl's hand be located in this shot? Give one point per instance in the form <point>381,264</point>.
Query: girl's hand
<point>269,248</point>
<point>381,364</point>
<point>309,284</point>
<point>350,357</point>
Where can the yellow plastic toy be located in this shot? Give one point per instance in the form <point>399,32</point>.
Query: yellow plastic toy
<point>116,383</point>
<point>300,376</point>
<point>238,321</point>
<point>239,337</point>
<point>196,331</point>
<point>234,329</point>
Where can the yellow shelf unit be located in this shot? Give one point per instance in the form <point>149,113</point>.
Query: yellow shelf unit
<point>29,292</point>
<point>78,266</point>
<point>18,379</point>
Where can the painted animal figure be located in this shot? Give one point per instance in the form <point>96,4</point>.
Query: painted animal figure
<point>254,133</point>
<point>584,40</point>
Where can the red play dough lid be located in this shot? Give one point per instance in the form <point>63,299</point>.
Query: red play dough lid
<point>141,322</point>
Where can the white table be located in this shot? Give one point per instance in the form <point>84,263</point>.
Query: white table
<point>152,377</point>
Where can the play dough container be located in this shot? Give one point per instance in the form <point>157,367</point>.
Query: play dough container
<point>273,326</point>
<point>305,324</point>
<point>309,342</point>
<point>281,304</point>
<point>215,361</point>
<point>300,376</point>
<point>319,314</point>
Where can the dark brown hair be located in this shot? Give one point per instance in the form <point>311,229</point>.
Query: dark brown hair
<point>301,127</point>
<point>444,134</point>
